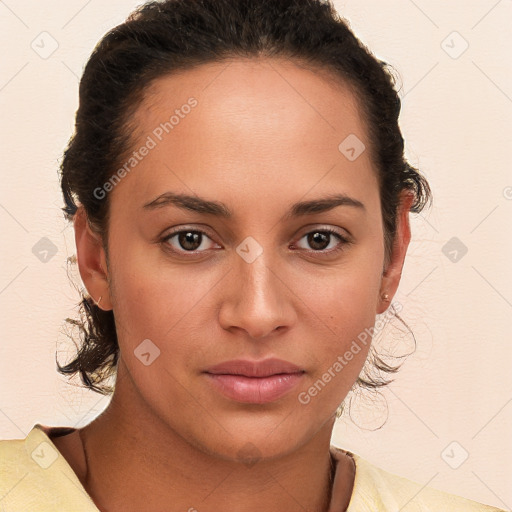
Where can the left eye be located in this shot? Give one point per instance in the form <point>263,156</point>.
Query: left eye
<point>319,238</point>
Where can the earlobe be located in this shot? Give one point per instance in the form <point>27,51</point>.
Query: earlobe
<point>91,261</point>
<point>393,272</point>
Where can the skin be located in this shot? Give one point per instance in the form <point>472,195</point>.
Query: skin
<point>264,135</point>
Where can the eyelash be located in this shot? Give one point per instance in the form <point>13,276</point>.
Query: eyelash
<point>340,247</point>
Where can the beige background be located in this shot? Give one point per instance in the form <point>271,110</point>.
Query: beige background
<point>456,119</point>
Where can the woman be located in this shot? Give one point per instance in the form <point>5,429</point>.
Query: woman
<point>241,204</point>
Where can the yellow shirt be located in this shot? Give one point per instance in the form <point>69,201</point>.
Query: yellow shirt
<point>35,477</point>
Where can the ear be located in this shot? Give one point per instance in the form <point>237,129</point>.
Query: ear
<point>92,261</point>
<point>393,271</point>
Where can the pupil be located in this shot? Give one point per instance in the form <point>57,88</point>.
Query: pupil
<point>319,238</point>
<point>190,238</point>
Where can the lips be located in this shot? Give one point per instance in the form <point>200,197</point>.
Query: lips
<point>254,382</point>
<point>247,368</point>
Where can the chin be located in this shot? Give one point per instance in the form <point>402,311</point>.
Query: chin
<point>252,444</point>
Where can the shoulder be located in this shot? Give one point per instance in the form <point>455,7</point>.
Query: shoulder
<point>378,490</point>
<point>35,476</point>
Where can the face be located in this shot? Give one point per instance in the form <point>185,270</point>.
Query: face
<point>252,265</point>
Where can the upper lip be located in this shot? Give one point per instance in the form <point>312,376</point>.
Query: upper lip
<point>247,368</point>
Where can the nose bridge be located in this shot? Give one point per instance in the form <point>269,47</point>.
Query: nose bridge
<point>258,300</point>
<point>258,287</point>
<point>258,279</point>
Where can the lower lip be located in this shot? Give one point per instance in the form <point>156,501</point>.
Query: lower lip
<point>255,390</point>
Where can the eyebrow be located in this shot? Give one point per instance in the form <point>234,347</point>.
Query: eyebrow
<point>219,209</point>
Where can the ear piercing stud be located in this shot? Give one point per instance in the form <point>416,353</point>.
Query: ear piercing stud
<point>385,297</point>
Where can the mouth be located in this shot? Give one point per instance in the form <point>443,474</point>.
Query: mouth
<point>254,382</point>
<point>255,390</point>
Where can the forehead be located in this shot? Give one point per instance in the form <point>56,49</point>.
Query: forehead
<point>245,86</point>
<point>255,123</point>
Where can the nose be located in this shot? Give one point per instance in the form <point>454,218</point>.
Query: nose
<point>258,300</point>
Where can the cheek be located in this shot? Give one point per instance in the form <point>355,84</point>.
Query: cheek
<point>346,318</point>
<point>156,301</point>
<point>345,298</point>
<point>342,314</point>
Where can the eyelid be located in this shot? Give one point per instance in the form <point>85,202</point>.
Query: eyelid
<point>178,229</point>
<point>312,228</point>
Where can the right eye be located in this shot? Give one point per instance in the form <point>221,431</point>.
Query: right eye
<point>186,241</point>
